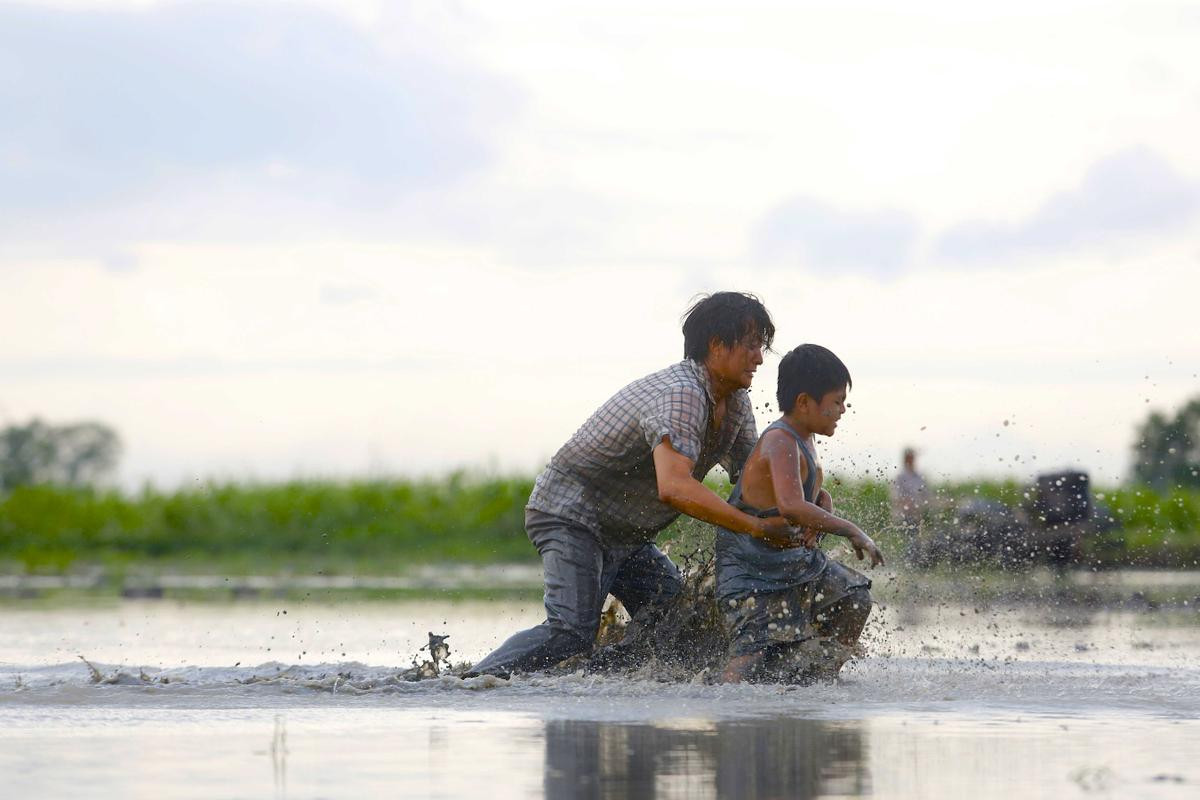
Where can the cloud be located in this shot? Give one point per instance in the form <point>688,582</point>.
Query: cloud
<point>810,233</point>
<point>346,294</point>
<point>114,108</point>
<point>91,367</point>
<point>1132,192</point>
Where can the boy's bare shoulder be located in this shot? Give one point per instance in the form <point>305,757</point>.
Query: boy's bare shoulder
<point>779,449</point>
<point>775,439</point>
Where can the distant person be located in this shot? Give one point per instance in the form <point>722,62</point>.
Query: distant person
<point>630,470</point>
<point>793,614</point>
<point>910,499</point>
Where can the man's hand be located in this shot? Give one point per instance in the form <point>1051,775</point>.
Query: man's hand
<point>863,546</point>
<point>825,500</point>
<point>811,538</point>
<point>777,532</point>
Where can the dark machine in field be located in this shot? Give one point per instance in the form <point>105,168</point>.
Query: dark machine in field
<point>1048,527</point>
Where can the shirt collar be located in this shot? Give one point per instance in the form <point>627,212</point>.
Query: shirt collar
<point>702,377</point>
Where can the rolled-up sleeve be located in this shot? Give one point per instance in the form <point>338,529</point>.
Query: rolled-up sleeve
<point>679,412</point>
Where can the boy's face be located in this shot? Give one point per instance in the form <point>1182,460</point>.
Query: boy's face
<point>822,417</point>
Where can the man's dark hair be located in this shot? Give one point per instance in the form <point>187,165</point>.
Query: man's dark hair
<point>727,317</point>
<point>812,370</point>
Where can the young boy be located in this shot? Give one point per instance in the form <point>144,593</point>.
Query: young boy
<point>793,614</point>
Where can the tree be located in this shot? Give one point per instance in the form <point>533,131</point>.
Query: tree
<point>1166,453</point>
<point>71,455</point>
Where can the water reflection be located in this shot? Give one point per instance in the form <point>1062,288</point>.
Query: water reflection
<point>279,753</point>
<point>783,757</point>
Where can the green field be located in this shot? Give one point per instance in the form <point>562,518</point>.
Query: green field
<point>300,526</point>
<point>378,527</point>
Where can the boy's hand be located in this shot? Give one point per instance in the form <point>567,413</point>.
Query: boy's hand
<point>863,546</point>
<point>777,532</point>
<point>825,500</point>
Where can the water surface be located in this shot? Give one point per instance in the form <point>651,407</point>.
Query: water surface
<point>301,699</point>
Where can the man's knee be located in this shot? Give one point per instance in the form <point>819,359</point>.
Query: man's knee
<point>567,642</point>
<point>671,586</point>
<point>533,649</point>
<point>648,579</point>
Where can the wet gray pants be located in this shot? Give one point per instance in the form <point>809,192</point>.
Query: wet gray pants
<point>579,573</point>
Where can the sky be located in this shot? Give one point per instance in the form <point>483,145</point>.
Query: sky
<point>276,240</point>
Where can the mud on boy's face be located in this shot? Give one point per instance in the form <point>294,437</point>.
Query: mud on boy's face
<point>825,414</point>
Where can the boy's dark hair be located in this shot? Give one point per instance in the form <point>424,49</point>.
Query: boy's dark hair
<point>727,317</point>
<point>812,370</point>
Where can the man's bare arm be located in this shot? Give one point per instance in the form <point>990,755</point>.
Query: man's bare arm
<point>682,492</point>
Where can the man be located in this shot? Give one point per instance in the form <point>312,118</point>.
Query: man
<point>633,467</point>
<point>910,498</point>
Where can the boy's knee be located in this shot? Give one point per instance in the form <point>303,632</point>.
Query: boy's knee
<point>854,608</point>
<point>846,618</point>
<point>859,600</point>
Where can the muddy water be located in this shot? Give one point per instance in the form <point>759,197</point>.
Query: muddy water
<point>254,699</point>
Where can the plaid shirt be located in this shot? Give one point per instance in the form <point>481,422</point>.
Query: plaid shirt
<point>603,477</point>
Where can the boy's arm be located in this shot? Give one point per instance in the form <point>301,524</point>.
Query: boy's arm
<point>678,489</point>
<point>813,538</point>
<point>783,461</point>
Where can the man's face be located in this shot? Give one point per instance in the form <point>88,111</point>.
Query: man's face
<point>736,364</point>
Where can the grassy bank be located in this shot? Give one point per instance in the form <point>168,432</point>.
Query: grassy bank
<point>301,526</point>
<point>379,527</point>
